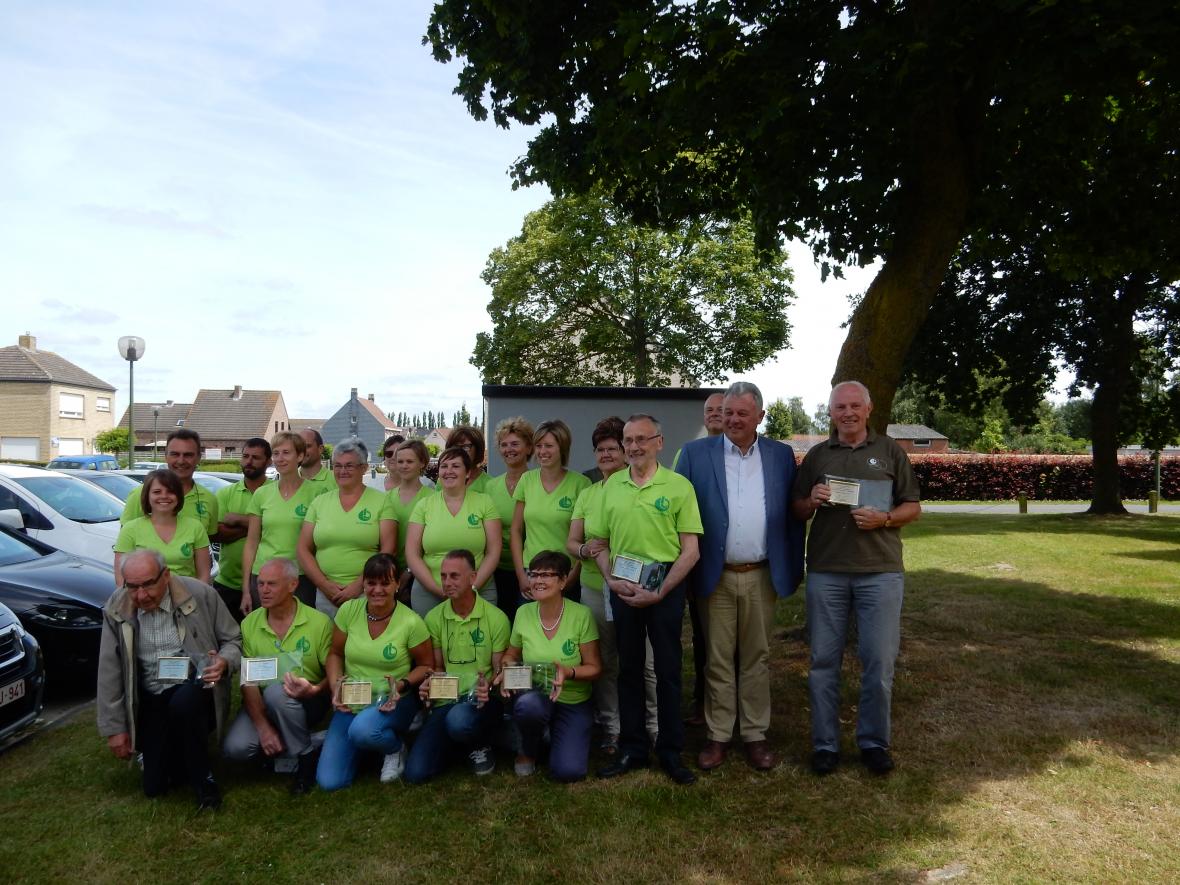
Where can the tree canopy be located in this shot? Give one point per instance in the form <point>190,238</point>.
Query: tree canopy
<point>870,130</point>
<point>786,419</point>
<point>585,296</point>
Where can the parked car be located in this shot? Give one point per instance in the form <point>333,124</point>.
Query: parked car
<point>84,462</point>
<point>116,483</point>
<point>22,676</point>
<point>214,482</point>
<point>60,509</point>
<point>58,599</point>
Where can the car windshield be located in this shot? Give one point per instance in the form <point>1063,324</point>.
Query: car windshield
<point>117,484</point>
<point>13,550</point>
<point>73,498</point>
<point>212,483</point>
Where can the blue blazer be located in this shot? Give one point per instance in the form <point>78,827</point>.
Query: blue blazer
<point>702,462</point>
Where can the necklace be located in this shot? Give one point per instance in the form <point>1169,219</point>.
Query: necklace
<point>374,618</point>
<point>549,628</point>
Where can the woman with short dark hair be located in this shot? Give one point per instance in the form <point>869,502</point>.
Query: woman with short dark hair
<point>181,539</point>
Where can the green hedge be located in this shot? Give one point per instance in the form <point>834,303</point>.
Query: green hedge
<point>1039,477</point>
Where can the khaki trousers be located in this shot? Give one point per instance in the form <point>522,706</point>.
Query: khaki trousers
<point>739,619</point>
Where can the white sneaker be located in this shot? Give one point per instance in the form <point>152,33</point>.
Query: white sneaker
<point>392,767</point>
<point>482,761</point>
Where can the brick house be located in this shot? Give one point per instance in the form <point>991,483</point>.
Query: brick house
<point>48,405</point>
<point>225,419</point>
<point>918,438</point>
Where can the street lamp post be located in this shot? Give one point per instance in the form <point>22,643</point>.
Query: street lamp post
<point>155,432</point>
<point>131,348</point>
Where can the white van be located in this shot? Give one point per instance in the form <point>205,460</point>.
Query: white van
<point>59,509</point>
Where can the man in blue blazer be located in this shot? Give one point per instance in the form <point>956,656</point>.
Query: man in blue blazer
<point>750,555</point>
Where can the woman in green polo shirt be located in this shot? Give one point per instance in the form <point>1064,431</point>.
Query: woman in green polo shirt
<point>558,631</point>
<point>456,518</point>
<point>180,538</point>
<point>409,460</point>
<point>380,642</point>
<point>514,439</point>
<point>545,499</point>
<point>470,439</point>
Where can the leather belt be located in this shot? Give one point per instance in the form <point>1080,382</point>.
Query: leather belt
<point>742,567</point>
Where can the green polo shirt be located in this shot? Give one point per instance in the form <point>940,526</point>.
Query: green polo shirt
<point>468,643</point>
<point>834,543</point>
<point>281,521</point>
<point>323,480</point>
<point>588,508</point>
<point>646,521</point>
<point>547,515</point>
<point>306,645</point>
<point>344,540</point>
<point>233,499</point>
<point>199,503</point>
<point>179,553</point>
<point>370,660</point>
<point>497,490</point>
<point>442,532</point>
<point>396,510</point>
<point>565,648</point>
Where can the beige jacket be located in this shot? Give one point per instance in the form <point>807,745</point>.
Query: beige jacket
<point>203,622</point>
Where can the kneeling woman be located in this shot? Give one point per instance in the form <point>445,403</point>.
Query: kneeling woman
<point>554,630</point>
<point>377,641</point>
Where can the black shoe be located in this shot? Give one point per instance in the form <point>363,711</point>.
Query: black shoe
<point>624,763</point>
<point>304,778</point>
<point>677,770</point>
<point>877,760</point>
<point>824,761</point>
<point>208,796</point>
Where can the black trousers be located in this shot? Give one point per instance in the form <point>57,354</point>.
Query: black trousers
<point>173,737</point>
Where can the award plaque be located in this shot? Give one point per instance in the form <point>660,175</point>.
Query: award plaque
<point>444,687</point>
<point>518,678</point>
<point>844,492</point>
<point>628,568</point>
<point>258,670</point>
<point>543,675</point>
<point>356,694</point>
<point>172,669</point>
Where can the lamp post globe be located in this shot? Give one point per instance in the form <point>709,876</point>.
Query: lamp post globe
<point>131,348</point>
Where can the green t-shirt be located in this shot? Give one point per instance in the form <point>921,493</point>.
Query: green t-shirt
<point>547,515</point>
<point>281,520</point>
<point>324,480</point>
<point>308,641</point>
<point>179,553</point>
<point>371,660</point>
<point>588,508</point>
<point>468,643</point>
<point>442,532</point>
<point>233,499</point>
<point>497,490</point>
<point>396,510</point>
<point>199,503</point>
<point>480,483</point>
<point>345,540</point>
<point>646,521</point>
<point>575,628</point>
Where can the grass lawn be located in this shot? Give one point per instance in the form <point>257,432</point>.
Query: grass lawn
<point>1036,730</point>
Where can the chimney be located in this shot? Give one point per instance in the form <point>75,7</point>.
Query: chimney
<point>27,341</point>
<point>372,398</point>
<point>168,404</point>
<point>237,392</point>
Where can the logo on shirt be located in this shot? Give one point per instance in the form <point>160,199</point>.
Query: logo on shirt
<point>389,652</point>
<point>301,510</point>
<point>201,508</point>
<point>365,515</point>
<point>186,549</point>
<point>567,648</point>
<point>303,645</point>
<point>566,503</point>
<point>662,504</point>
<point>877,464</point>
<point>473,520</point>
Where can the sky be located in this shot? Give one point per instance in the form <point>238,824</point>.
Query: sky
<point>278,195</point>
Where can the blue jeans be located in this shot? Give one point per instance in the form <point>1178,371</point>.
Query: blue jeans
<point>569,733</point>
<point>458,727</point>
<point>875,600</point>
<point>350,734</point>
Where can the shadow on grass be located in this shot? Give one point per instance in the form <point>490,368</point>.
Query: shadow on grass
<point>1133,526</point>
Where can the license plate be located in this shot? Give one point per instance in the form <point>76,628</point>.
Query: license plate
<point>14,691</point>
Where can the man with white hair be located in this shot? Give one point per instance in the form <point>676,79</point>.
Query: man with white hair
<point>860,488</point>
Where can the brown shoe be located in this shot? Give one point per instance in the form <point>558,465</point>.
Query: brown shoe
<point>712,755</point>
<point>759,756</point>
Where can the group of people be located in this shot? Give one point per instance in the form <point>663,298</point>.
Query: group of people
<point>530,606</point>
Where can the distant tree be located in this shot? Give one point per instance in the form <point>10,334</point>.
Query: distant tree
<point>820,420</point>
<point>461,417</point>
<point>113,440</point>
<point>786,419</point>
<point>585,296</point>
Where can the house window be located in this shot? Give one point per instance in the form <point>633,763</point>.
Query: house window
<point>103,404</point>
<point>70,405</point>
<point>921,444</point>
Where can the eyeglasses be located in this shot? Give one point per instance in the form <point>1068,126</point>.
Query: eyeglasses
<point>469,447</point>
<point>348,468</point>
<point>608,450</point>
<point>388,455</point>
<point>548,576</point>
<point>131,588</point>
<point>640,440</point>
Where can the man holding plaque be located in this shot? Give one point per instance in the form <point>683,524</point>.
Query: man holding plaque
<point>285,691</point>
<point>165,640</point>
<point>751,555</point>
<point>650,521</point>
<point>861,489</point>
